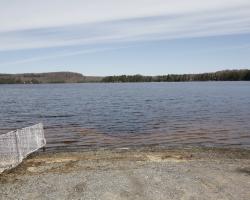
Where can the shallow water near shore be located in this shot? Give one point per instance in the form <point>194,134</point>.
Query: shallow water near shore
<point>88,116</point>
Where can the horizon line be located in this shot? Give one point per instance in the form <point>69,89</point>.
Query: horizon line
<point>241,69</point>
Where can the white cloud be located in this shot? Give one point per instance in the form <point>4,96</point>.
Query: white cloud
<point>54,23</point>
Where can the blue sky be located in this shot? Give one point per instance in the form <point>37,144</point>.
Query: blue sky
<point>106,37</point>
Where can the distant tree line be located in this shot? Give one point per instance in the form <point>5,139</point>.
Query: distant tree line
<point>227,75</point>
<point>69,77</point>
<point>11,80</point>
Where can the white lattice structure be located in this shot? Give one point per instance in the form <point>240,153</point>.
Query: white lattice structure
<point>16,145</point>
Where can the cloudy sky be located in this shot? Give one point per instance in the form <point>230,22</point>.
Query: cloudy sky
<point>106,37</point>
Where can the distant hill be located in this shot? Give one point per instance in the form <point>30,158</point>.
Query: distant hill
<point>53,77</point>
<point>71,77</point>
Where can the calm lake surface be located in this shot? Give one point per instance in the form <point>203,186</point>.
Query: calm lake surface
<point>89,116</point>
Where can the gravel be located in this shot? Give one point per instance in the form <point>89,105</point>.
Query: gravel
<point>145,174</point>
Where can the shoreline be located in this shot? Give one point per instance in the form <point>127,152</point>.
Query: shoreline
<point>140,173</point>
<point>78,83</point>
<point>73,77</point>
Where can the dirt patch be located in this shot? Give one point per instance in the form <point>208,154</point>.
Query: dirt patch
<point>245,170</point>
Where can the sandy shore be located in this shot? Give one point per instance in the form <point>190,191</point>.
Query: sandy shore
<point>149,173</point>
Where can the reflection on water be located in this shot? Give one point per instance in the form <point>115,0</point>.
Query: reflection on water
<point>122,115</point>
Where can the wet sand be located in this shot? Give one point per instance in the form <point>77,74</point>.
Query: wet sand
<point>143,174</point>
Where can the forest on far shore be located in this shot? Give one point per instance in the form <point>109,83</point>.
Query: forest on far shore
<point>226,75</point>
<point>70,77</point>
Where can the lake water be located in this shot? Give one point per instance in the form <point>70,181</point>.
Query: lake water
<point>90,116</point>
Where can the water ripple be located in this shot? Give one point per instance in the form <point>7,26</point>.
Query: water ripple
<point>123,115</point>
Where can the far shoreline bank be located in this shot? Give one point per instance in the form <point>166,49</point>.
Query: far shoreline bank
<point>72,77</point>
<point>241,81</point>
